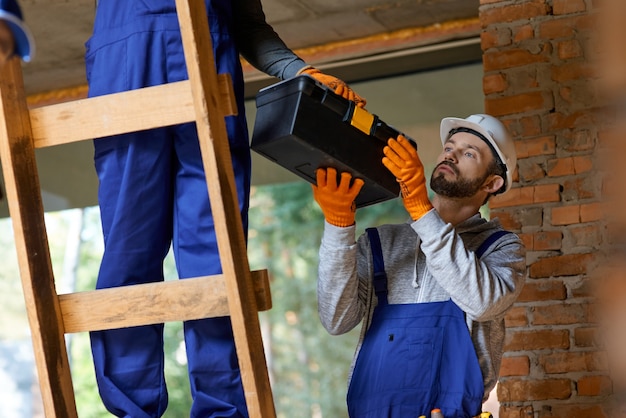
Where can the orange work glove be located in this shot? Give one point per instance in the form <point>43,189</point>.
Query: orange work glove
<point>338,86</point>
<point>404,163</point>
<point>336,202</point>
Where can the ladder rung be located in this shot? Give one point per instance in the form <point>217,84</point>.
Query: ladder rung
<point>151,303</point>
<point>128,111</point>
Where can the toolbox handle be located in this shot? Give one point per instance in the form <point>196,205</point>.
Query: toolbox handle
<point>343,107</point>
<point>371,125</point>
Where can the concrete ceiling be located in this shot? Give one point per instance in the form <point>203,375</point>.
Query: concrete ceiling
<point>356,40</point>
<point>61,27</point>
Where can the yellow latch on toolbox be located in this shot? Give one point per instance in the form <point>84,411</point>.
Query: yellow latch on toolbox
<point>362,120</point>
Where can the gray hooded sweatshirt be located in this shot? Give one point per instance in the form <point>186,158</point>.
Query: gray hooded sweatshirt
<point>426,260</point>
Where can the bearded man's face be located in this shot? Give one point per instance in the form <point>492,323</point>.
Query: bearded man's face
<point>456,186</point>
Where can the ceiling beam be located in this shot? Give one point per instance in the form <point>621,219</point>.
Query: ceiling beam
<point>388,64</point>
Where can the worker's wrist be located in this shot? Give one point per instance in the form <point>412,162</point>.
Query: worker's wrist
<point>418,208</point>
<point>340,220</point>
<point>305,68</point>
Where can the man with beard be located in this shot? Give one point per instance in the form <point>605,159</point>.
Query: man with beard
<point>432,293</point>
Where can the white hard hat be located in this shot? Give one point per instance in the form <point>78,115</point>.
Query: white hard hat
<point>492,131</point>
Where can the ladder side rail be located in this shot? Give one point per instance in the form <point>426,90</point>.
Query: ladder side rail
<point>225,208</point>
<point>26,208</point>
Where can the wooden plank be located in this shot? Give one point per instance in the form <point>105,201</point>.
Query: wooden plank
<point>112,114</point>
<point>225,208</point>
<point>128,111</point>
<point>152,303</point>
<point>26,209</point>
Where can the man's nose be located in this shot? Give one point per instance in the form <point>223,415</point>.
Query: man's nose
<point>450,155</point>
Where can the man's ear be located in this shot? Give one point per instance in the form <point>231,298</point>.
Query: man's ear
<point>493,184</point>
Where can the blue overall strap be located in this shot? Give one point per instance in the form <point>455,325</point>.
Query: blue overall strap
<point>380,277</point>
<point>490,240</point>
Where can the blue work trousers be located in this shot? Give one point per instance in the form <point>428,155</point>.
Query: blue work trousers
<point>153,195</point>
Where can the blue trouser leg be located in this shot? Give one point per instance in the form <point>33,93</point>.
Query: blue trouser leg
<point>212,360</point>
<point>213,369</point>
<point>135,192</point>
<point>137,184</point>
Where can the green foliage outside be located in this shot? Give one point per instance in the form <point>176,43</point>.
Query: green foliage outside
<point>308,367</point>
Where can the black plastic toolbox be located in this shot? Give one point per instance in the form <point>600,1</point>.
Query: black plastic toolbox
<point>302,125</point>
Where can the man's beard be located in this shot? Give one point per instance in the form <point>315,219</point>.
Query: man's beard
<point>459,188</point>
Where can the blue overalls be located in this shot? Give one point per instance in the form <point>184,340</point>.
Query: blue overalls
<point>153,193</point>
<point>415,357</point>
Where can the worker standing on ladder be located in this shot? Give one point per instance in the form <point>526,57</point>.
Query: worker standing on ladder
<point>15,37</point>
<point>153,193</point>
<point>431,293</point>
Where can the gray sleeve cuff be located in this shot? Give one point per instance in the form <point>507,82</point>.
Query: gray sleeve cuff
<point>336,236</point>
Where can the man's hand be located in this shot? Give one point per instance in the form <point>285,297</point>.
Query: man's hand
<point>338,86</point>
<point>336,201</point>
<point>404,163</point>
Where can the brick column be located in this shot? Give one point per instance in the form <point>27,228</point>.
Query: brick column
<point>538,67</point>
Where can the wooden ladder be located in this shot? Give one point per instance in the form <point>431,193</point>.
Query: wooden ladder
<point>205,98</point>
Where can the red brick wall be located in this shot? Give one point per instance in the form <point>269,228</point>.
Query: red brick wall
<point>538,63</point>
